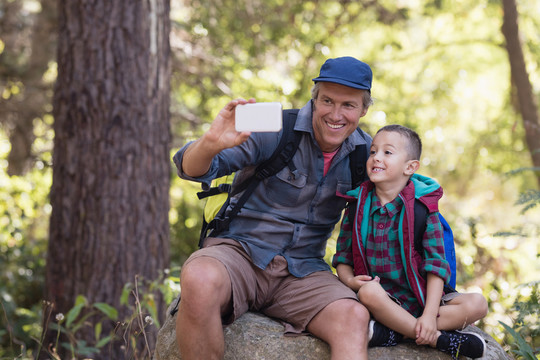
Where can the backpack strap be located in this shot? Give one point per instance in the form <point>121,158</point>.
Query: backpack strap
<point>420,223</point>
<point>357,161</point>
<point>280,158</point>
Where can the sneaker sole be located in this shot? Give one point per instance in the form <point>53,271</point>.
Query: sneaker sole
<point>370,329</point>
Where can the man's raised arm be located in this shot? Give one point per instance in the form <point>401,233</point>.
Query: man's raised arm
<point>221,135</point>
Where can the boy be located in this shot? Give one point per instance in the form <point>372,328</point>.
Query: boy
<point>403,289</point>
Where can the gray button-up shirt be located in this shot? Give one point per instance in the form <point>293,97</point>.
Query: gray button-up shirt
<point>288,214</point>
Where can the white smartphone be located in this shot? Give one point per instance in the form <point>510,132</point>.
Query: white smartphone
<point>259,117</point>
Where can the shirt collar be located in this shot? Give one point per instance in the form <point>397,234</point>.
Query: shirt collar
<point>392,208</point>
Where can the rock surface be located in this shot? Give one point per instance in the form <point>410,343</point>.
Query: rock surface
<point>256,337</point>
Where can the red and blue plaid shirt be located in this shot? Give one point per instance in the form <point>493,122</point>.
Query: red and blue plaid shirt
<point>383,251</point>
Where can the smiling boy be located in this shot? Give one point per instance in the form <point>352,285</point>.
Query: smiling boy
<point>402,288</point>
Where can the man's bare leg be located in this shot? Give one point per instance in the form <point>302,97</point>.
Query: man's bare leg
<point>343,324</point>
<point>206,295</point>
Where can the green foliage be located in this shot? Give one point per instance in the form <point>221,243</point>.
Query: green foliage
<point>524,350</point>
<point>525,330</point>
<point>141,297</point>
<point>185,217</point>
<point>529,199</point>
<point>24,214</point>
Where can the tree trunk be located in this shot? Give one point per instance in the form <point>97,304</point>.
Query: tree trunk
<point>520,79</point>
<point>111,166</point>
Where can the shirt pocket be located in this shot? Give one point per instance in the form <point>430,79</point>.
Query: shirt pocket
<point>331,205</point>
<point>285,188</point>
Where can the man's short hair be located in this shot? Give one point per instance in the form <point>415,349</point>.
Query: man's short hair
<point>367,100</point>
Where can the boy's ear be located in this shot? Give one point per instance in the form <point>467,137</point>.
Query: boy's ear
<point>411,167</point>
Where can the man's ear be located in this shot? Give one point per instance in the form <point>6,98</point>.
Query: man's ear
<point>364,112</point>
<point>411,166</point>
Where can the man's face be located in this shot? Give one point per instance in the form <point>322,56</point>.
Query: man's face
<point>336,112</point>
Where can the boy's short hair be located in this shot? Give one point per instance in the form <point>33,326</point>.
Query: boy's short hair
<point>414,144</point>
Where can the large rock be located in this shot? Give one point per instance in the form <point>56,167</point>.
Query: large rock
<point>256,337</point>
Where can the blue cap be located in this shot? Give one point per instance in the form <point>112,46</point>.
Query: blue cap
<point>346,71</point>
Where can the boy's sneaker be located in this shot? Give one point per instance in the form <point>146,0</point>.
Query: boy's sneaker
<point>463,343</point>
<point>380,335</point>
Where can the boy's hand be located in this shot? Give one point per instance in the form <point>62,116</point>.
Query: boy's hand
<point>357,282</point>
<point>426,330</point>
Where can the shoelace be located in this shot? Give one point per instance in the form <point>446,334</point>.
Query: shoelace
<point>392,341</point>
<point>455,343</point>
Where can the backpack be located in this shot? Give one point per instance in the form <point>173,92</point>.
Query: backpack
<point>215,217</point>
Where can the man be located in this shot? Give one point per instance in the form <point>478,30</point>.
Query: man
<point>271,257</point>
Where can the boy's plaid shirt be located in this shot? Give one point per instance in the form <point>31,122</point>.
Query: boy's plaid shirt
<point>383,253</point>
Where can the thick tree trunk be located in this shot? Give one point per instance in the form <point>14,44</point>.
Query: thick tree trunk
<point>520,79</point>
<point>111,167</point>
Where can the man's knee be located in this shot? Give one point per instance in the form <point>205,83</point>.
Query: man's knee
<point>205,280</point>
<point>352,316</point>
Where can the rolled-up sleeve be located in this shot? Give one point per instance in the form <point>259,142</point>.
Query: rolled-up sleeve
<point>433,241</point>
<point>205,180</point>
<point>343,253</point>
<point>256,149</point>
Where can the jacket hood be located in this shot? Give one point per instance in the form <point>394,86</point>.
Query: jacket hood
<point>427,190</point>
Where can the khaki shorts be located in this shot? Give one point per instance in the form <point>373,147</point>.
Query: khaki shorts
<point>273,291</point>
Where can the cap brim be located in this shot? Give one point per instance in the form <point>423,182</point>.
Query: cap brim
<point>341,82</point>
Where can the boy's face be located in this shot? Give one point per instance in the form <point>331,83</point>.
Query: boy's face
<point>336,112</point>
<point>389,162</point>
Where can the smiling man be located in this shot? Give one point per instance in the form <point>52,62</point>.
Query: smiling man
<point>271,258</point>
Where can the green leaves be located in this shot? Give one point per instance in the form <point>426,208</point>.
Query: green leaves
<point>523,348</point>
<point>108,310</point>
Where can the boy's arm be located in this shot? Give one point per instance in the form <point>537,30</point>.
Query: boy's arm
<point>426,325</point>
<point>433,243</point>
<point>346,275</point>
<point>343,253</point>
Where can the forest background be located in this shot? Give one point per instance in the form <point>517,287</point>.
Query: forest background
<point>447,69</point>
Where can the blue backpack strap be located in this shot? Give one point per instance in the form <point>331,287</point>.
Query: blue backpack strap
<point>420,219</point>
<point>449,249</point>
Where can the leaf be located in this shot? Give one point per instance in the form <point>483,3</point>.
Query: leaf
<point>81,299</point>
<point>97,330</point>
<point>104,341</point>
<point>152,309</point>
<point>73,313</point>
<point>524,349</point>
<point>125,294</point>
<point>108,310</point>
